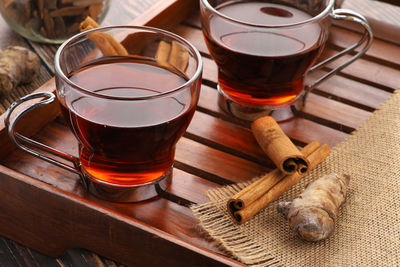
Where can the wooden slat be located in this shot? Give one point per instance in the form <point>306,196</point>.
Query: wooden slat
<point>213,164</point>
<point>193,20</point>
<point>335,111</point>
<point>307,131</point>
<point>392,2</point>
<point>208,101</point>
<point>380,10</point>
<point>224,135</point>
<point>172,13</point>
<point>46,54</point>
<point>193,35</point>
<point>379,49</point>
<point>210,70</point>
<point>8,256</point>
<point>190,187</point>
<point>349,91</point>
<point>122,12</point>
<point>372,73</point>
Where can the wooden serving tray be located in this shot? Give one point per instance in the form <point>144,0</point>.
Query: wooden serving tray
<point>45,207</point>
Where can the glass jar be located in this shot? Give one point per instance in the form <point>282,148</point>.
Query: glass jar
<point>50,21</point>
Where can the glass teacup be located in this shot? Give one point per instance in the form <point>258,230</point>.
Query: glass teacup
<point>128,94</point>
<point>265,49</point>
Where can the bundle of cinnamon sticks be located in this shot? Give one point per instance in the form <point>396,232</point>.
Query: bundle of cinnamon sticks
<point>53,18</point>
<point>269,187</point>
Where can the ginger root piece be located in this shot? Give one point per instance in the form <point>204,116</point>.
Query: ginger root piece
<point>312,215</point>
<point>17,65</point>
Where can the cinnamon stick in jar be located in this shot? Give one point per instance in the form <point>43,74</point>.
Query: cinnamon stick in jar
<point>278,147</point>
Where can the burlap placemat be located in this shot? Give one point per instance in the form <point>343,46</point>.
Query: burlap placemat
<point>367,231</point>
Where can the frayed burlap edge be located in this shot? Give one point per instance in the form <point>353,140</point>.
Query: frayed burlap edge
<point>218,224</point>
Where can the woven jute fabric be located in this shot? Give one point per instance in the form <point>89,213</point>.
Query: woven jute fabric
<point>367,230</point>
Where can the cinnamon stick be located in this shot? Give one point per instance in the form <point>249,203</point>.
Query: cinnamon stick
<point>162,54</point>
<point>258,188</point>
<point>48,24</point>
<point>179,57</point>
<point>277,145</point>
<point>172,55</point>
<point>88,24</point>
<point>103,40</point>
<point>242,215</point>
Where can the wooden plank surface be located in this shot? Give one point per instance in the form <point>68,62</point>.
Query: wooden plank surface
<point>381,10</point>
<point>216,149</point>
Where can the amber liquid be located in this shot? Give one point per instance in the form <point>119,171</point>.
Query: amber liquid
<point>258,66</point>
<point>127,142</point>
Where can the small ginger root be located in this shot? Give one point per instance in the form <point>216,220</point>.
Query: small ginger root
<point>312,215</point>
<point>18,65</point>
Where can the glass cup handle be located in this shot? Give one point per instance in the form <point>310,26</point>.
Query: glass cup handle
<point>367,37</point>
<point>20,140</point>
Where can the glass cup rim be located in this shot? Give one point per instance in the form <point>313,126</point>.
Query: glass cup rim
<point>321,15</point>
<point>60,74</point>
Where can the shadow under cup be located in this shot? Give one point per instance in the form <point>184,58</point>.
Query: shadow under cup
<point>128,110</point>
<point>263,50</point>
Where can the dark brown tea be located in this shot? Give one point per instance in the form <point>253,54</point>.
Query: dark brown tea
<point>260,66</point>
<point>127,142</point>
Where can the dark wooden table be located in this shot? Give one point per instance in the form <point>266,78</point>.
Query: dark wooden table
<point>344,114</point>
